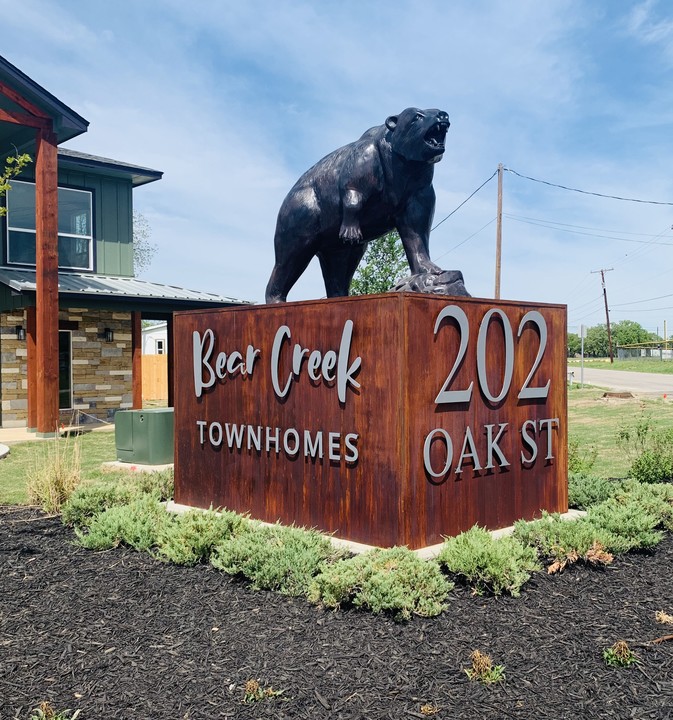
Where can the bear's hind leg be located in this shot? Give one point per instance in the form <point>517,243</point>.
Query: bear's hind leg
<point>338,267</point>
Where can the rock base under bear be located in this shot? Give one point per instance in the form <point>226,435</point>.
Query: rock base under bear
<point>446,282</point>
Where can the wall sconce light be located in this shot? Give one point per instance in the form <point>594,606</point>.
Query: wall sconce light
<point>108,335</point>
<point>20,332</point>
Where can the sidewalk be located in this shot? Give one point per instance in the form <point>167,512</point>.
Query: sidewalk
<point>11,436</point>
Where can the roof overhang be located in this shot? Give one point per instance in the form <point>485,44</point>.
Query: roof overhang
<point>20,93</point>
<point>72,159</point>
<point>108,292</point>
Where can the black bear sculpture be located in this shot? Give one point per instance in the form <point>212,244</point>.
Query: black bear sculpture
<point>379,183</point>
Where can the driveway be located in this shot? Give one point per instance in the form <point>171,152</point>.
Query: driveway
<point>622,381</point>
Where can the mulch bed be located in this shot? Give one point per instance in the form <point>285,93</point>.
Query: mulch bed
<point>120,635</point>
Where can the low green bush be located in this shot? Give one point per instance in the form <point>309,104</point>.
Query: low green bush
<point>586,490</point>
<point>622,523</point>
<point>628,524</point>
<point>91,498</point>
<point>495,566</point>
<point>137,525</point>
<point>154,483</point>
<point>190,538</point>
<point>394,580</point>
<point>581,457</point>
<point>654,498</point>
<point>274,557</point>
<point>561,542</point>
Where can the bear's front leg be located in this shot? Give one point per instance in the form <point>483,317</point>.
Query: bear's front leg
<point>351,203</point>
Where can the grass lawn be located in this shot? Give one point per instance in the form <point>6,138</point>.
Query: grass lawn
<point>595,420</point>
<point>97,448</point>
<point>592,420</point>
<point>648,365</point>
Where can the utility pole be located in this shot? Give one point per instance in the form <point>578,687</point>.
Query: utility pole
<point>607,314</point>
<point>498,234</point>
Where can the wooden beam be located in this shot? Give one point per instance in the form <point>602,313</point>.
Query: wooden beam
<point>31,361</point>
<point>137,362</point>
<point>18,118</point>
<point>46,279</point>
<point>28,106</point>
<point>169,363</point>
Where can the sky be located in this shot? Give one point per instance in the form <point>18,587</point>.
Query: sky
<point>234,100</point>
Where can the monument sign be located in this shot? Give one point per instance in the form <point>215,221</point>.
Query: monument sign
<point>390,419</point>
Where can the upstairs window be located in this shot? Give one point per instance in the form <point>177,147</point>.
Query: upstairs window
<point>75,235</point>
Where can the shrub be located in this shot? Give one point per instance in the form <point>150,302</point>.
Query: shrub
<point>496,566</point>
<point>563,542</point>
<point>653,466</point>
<point>56,474</point>
<point>190,538</point>
<point>650,450</point>
<point>628,524</point>
<point>394,580</point>
<point>587,490</point>
<point>617,525</point>
<point>581,458</point>
<point>655,499</point>
<point>159,483</point>
<point>137,525</point>
<point>90,499</point>
<point>274,558</point>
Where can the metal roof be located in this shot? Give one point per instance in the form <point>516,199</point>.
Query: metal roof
<point>138,175</point>
<point>111,287</point>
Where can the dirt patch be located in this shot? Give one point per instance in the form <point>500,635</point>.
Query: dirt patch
<point>120,635</point>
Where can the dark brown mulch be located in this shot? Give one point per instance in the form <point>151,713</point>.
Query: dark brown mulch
<point>120,635</point>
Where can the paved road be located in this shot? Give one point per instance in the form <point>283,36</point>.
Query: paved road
<point>620,380</point>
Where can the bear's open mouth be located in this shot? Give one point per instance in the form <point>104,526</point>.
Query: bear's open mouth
<point>436,135</point>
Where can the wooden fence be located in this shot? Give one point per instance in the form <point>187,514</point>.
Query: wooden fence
<point>155,377</point>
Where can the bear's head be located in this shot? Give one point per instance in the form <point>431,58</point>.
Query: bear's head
<point>418,135</point>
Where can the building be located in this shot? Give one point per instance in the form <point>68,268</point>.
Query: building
<point>70,307</point>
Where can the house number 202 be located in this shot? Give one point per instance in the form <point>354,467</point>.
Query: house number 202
<point>465,395</point>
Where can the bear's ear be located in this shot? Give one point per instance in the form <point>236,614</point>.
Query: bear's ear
<point>391,122</point>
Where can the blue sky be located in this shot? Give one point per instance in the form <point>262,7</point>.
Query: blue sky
<point>234,100</point>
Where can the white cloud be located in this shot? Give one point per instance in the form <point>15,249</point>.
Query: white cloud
<point>233,101</point>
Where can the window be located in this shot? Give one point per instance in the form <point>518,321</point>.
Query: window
<point>160,347</point>
<point>75,235</point>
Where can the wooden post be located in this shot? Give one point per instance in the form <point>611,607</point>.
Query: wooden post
<point>171,355</point>
<point>31,362</point>
<point>498,235</point>
<point>137,364</point>
<point>46,280</point>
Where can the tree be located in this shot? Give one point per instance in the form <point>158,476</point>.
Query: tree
<point>14,164</point>
<point>628,332</point>
<point>596,341</point>
<point>143,249</point>
<point>384,263</point>
<point>574,344</point>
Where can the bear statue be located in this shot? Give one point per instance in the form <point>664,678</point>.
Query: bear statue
<point>379,183</point>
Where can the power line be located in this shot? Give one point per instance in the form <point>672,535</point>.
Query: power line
<point>636,302</point>
<point>587,234</point>
<point>462,242</point>
<point>586,192</point>
<point>581,227</point>
<point>466,200</point>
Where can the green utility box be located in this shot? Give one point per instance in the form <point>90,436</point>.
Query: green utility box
<point>144,436</point>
